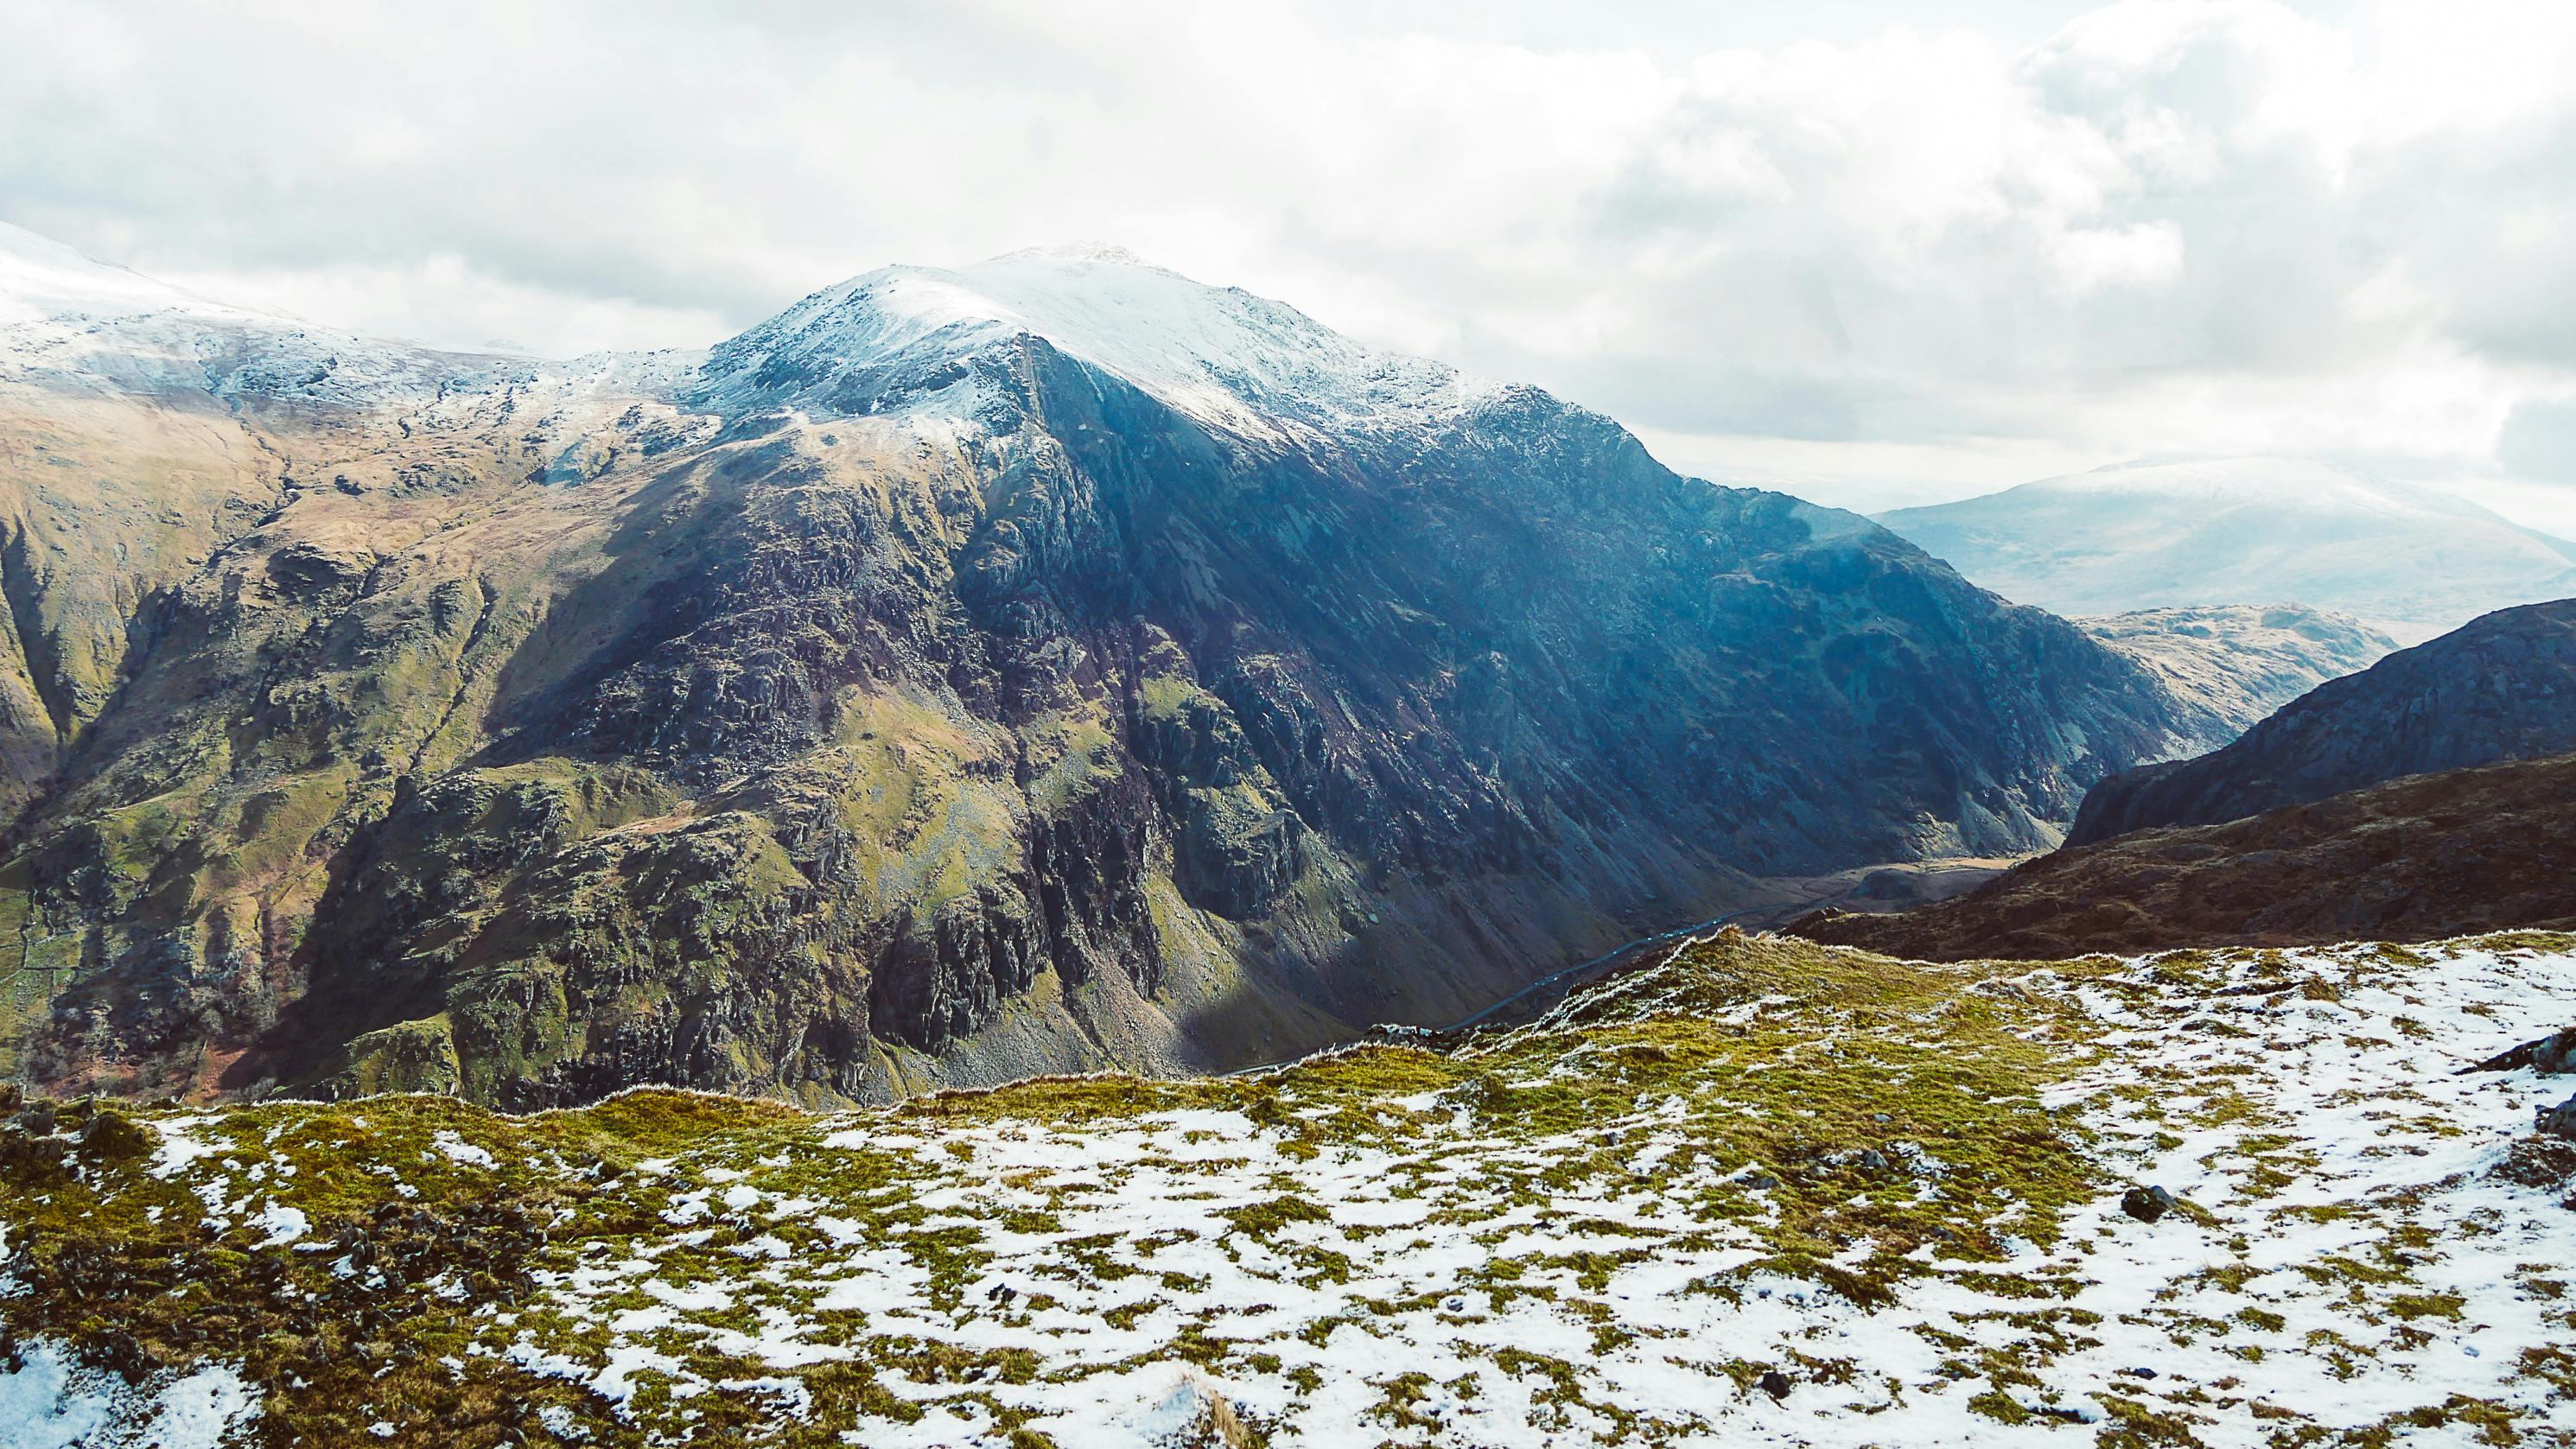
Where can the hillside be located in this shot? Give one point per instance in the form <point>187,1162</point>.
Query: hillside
<point>2501,688</point>
<point>2243,660</point>
<point>2411,561</point>
<point>2414,859</point>
<point>1755,1191</point>
<point>1036,666</point>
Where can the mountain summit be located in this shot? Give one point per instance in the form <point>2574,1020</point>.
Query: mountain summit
<point>1039,665</point>
<point>896,340</point>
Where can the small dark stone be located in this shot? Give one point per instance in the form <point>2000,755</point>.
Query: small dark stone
<point>2139,1373</point>
<point>2146,1204</point>
<point>1775,1383</point>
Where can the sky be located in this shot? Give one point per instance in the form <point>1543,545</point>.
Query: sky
<point>1878,253</point>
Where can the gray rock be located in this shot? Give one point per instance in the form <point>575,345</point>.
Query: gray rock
<point>2558,1121</point>
<point>2549,1055</point>
<point>2146,1204</point>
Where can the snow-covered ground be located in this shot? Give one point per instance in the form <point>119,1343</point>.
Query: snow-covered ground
<point>1896,1187</point>
<point>47,1402</point>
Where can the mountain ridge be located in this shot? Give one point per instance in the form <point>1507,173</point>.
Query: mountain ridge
<point>894,698</point>
<point>2415,858</point>
<point>2502,687</point>
<point>2243,660</point>
<point>892,339</point>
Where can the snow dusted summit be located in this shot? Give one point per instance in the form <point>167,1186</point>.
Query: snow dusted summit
<point>927,339</point>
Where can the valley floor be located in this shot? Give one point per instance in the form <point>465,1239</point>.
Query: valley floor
<point>1755,1191</point>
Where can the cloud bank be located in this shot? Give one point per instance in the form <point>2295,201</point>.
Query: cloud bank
<point>1902,257</point>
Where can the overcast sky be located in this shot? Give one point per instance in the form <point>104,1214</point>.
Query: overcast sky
<point>1883,252</point>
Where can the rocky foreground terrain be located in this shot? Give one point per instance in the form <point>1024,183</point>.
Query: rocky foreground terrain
<point>1753,1191</point>
<point>1044,665</point>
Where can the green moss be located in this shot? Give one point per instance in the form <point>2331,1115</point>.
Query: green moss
<point>1855,1126</point>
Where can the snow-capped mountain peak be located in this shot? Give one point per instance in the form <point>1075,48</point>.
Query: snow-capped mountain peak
<point>894,340</point>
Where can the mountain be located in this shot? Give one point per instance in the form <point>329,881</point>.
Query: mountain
<point>1035,666</point>
<point>2419,858</point>
<point>1635,1221</point>
<point>2243,660</point>
<point>2407,560</point>
<point>2502,688</point>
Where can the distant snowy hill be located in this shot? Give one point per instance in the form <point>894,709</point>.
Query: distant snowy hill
<point>2409,560</point>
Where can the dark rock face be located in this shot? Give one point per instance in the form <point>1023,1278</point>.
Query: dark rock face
<point>2503,687</point>
<point>833,756</point>
<point>2416,859</point>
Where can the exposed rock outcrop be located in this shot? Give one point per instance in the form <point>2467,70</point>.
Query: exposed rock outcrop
<point>2243,660</point>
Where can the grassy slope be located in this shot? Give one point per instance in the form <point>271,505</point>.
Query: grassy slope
<point>1895,1183</point>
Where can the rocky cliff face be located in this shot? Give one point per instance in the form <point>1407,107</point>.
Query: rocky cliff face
<point>2243,660</point>
<point>1036,667</point>
<point>2501,688</point>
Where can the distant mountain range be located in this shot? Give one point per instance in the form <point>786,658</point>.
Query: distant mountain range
<point>2411,561</point>
<point>1040,665</point>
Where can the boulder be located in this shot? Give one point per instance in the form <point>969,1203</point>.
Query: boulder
<point>2146,1204</point>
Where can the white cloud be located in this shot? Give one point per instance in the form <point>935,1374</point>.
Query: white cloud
<point>2163,225</point>
<point>448,301</point>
